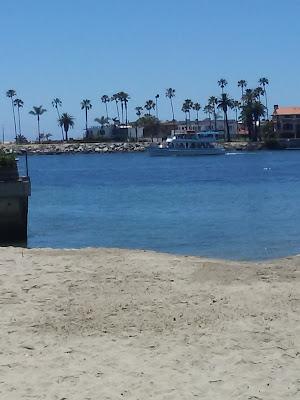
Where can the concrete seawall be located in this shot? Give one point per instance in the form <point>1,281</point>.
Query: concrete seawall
<point>14,209</point>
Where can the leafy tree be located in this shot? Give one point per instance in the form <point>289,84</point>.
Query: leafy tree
<point>66,121</point>
<point>56,102</point>
<point>170,93</point>
<point>102,121</point>
<point>150,105</point>
<point>19,104</point>
<point>264,82</point>
<point>222,83</point>
<point>150,124</point>
<point>252,110</point>
<point>224,103</point>
<point>242,84</point>
<point>105,99</point>
<point>11,93</point>
<point>37,112</point>
<point>86,105</point>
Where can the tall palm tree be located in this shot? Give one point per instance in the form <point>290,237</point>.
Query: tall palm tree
<point>105,99</point>
<point>185,109</point>
<point>242,84</point>
<point>264,82</point>
<point>66,121</point>
<point>38,111</point>
<point>11,93</point>
<point>224,103</point>
<point>236,106</point>
<point>197,108</point>
<point>19,104</point>
<point>222,83</point>
<point>156,104</point>
<point>258,92</point>
<point>170,93</point>
<point>208,109</point>
<point>149,105</point>
<point>212,101</point>
<point>188,105</point>
<point>56,102</point>
<point>123,98</point>
<point>115,98</point>
<point>86,105</point>
<point>252,110</point>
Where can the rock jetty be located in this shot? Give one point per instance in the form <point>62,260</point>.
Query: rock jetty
<point>125,147</point>
<point>74,148</point>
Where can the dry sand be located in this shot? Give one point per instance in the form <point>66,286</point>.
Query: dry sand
<point>117,324</point>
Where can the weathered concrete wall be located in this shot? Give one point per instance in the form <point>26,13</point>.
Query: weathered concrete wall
<point>14,210</point>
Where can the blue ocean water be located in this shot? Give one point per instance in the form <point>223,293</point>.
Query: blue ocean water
<point>240,206</point>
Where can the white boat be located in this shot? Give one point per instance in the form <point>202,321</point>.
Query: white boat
<point>188,144</point>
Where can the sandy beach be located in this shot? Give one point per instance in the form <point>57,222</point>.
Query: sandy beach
<point>119,324</point>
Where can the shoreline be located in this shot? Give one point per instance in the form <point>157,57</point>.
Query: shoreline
<point>117,323</point>
<point>104,148</point>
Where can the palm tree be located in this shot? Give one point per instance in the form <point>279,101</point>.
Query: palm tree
<point>86,105</point>
<point>197,108</point>
<point>19,104</point>
<point>258,92</point>
<point>222,83</point>
<point>185,109</point>
<point>10,94</point>
<point>105,99</point>
<point>170,93</point>
<point>187,105</point>
<point>58,103</point>
<point>208,109</point>
<point>138,111</point>
<point>156,105</point>
<point>264,82</point>
<point>242,84</point>
<point>150,105</point>
<point>252,110</point>
<point>212,101</point>
<point>66,121</point>
<point>224,103</point>
<point>236,106</point>
<point>123,98</point>
<point>38,111</point>
<point>102,121</point>
<point>115,98</point>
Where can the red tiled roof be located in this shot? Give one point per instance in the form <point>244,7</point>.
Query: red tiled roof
<point>287,111</point>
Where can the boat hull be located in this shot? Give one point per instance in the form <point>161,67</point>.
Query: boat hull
<point>157,151</point>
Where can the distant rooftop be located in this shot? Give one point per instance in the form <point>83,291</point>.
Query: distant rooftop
<point>287,111</point>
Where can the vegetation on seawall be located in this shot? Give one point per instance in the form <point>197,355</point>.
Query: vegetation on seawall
<point>113,147</point>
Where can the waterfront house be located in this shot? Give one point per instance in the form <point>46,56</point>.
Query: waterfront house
<point>287,121</point>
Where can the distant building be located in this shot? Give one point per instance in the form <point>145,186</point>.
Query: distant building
<point>287,121</point>
<point>115,132</point>
<point>207,125</point>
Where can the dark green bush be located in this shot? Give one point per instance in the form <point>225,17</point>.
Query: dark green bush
<point>7,160</point>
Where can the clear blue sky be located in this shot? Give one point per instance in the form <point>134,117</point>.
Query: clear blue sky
<point>83,49</point>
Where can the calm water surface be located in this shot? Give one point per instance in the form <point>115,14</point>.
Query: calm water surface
<point>238,206</point>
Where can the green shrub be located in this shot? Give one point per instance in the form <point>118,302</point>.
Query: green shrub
<point>273,144</point>
<point>7,160</point>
